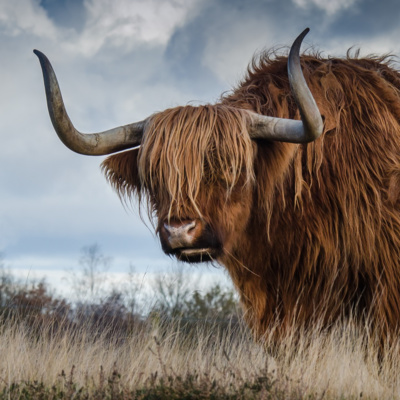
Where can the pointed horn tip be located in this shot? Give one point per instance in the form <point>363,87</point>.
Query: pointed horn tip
<point>302,35</point>
<point>44,61</point>
<point>41,56</point>
<point>295,49</point>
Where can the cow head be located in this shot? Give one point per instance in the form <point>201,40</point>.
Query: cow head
<point>194,167</point>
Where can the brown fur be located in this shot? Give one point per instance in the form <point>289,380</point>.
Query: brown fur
<point>201,145</point>
<point>309,231</point>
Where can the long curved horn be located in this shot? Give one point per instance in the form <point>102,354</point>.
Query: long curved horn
<point>95,144</point>
<point>286,130</point>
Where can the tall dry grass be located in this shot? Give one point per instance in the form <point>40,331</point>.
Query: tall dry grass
<point>334,364</point>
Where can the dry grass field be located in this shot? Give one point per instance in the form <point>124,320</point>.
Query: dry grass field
<point>50,349</point>
<point>171,361</point>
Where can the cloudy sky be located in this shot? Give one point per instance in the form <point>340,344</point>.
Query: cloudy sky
<point>118,61</point>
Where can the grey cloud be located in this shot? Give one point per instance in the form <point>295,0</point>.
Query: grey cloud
<point>217,43</point>
<point>367,18</point>
<point>66,13</point>
<point>54,201</point>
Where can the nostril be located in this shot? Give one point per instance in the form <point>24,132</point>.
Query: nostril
<point>180,229</point>
<point>191,226</point>
<point>180,234</point>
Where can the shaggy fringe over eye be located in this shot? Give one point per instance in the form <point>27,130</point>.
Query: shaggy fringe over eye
<point>187,149</point>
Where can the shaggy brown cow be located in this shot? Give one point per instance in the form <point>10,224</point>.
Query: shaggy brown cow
<point>307,227</point>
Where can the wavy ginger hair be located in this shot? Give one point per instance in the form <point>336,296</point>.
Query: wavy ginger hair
<point>322,240</point>
<point>185,149</point>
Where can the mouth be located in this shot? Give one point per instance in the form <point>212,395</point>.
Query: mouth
<point>195,255</point>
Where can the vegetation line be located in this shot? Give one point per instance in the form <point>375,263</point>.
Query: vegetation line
<point>196,347</point>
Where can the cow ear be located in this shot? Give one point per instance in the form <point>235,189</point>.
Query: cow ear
<point>121,171</point>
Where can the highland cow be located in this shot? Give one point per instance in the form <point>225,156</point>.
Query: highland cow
<point>296,194</point>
